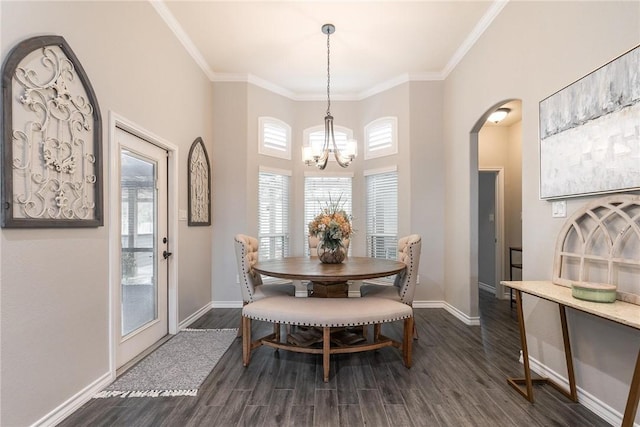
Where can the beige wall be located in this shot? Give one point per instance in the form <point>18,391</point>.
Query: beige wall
<point>54,319</point>
<point>530,51</point>
<point>237,109</point>
<point>54,325</point>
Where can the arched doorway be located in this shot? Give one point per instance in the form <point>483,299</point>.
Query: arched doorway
<point>495,224</point>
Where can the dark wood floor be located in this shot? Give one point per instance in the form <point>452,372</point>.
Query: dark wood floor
<point>457,379</point>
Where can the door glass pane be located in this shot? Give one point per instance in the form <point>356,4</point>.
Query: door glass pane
<point>139,263</point>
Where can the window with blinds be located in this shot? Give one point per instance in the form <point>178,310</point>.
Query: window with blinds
<point>273,213</point>
<point>381,137</point>
<point>275,138</point>
<point>314,137</point>
<point>382,213</point>
<point>318,191</point>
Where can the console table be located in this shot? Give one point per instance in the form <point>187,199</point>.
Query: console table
<point>620,312</point>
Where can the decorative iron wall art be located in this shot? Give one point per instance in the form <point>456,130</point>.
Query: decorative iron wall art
<point>52,148</point>
<point>590,133</point>
<point>199,184</point>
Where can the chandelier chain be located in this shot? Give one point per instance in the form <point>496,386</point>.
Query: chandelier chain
<point>328,75</point>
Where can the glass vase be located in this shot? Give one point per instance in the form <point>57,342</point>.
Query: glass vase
<point>329,255</point>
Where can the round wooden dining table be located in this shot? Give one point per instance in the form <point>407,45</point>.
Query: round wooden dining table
<point>329,280</point>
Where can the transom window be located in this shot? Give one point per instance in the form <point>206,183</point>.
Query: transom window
<point>275,138</point>
<point>381,138</point>
<point>314,137</point>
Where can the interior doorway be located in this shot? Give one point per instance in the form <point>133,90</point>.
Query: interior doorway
<point>495,148</point>
<point>490,230</point>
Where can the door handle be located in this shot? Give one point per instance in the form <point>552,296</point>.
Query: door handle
<point>166,254</point>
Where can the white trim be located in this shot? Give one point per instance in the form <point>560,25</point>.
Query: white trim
<point>487,288</point>
<point>585,398</point>
<point>227,304</point>
<point>467,320</point>
<point>377,171</point>
<point>500,228</point>
<point>182,36</point>
<point>195,316</point>
<point>474,36</point>
<point>266,169</point>
<point>118,121</point>
<point>74,403</point>
<point>458,55</point>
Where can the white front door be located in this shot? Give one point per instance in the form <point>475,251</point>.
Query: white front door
<point>144,266</point>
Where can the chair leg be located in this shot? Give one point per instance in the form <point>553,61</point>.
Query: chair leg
<point>240,328</point>
<point>326,346</point>
<point>407,341</point>
<point>246,341</point>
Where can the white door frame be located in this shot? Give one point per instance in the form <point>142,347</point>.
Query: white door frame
<point>499,221</point>
<point>117,121</point>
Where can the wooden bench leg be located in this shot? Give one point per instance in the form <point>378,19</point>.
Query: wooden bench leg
<point>326,346</point>
<point>246,340</point>
<point>407,341</point>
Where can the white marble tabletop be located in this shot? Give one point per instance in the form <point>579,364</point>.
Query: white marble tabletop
<point>618,311</point>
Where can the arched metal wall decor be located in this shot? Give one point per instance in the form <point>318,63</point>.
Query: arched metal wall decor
<point>199,184</point>
<point>52,139</point>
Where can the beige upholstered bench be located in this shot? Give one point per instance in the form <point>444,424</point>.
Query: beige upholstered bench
<point>327,313</point>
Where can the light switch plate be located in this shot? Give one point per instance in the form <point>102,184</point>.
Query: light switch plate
<point>182,215</point>
<point>559,209</point>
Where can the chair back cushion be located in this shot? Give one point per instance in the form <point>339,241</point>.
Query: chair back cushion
<point>409,248</point>
<point>246,257</point>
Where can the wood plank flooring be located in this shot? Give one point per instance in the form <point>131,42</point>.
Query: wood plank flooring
<point>458,379</point>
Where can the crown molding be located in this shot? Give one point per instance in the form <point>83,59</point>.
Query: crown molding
<point>473,37</point>
<point>182,36</point>
<point>459,54</point>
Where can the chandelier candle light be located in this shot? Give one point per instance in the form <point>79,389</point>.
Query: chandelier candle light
<point>311,155</point>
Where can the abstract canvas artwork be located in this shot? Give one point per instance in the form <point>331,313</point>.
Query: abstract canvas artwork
<point>590,133</point>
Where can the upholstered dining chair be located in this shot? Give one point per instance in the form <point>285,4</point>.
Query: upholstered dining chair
<point>404,285</point>
<point>250,281</point>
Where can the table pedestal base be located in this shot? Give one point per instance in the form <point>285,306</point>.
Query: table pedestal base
<point>330,290</point>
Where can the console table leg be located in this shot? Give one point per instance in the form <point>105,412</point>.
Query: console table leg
<point>634,396</point>
<point>528,394</point>
<point>573,393</point>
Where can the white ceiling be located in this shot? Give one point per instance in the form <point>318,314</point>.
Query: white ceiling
<point>279,44</point>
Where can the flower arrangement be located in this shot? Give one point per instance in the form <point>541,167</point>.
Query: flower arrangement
<point>332,225</point>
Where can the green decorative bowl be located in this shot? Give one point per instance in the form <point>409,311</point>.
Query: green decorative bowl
<point>595,292</point>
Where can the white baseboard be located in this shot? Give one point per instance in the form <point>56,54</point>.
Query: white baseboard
<point>226,304</point>
<point>585,398</point>
<point>486,287</point>
<point>75,402</point>
<point>467,320</point>
<point>195,316</point>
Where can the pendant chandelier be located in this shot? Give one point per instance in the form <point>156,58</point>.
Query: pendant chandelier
<point>320,155</point>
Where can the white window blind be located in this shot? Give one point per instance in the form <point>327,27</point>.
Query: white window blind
<point>273,214</point>
<point>382,214</point>
<point>318,190</point>
<point>275,138</point>
<point>381,137</point>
